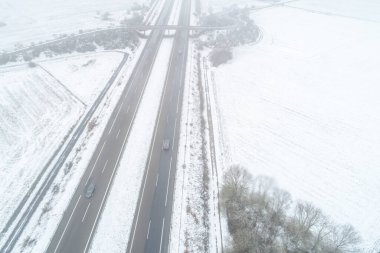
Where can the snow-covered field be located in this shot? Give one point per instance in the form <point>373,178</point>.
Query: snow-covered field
<point>36,113</point>
<point>80,74</point>
<point>368,10</point>
<point>46,218</point>
<point>302,106</point>
<point>221,5</point>
<point>38,20</point>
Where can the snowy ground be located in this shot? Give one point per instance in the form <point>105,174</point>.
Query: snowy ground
<point>38,20</point>
<point>80,74</point>
<point>195,219</point>
<point>302,106</point>
<point>43,223</point>
<point>113,231</point>
<point>368,10</point>
<point>39,109</point>
<point>222,5</point>
<point>36,114</point>
<point>187,228</point>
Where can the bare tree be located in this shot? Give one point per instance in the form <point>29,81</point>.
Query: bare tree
<point>235,182</point>
<point>302,226</point>
<point>345,239</point>
<point>262,185</point>
<point>259,219</point>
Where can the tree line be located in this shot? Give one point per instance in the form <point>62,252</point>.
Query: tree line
<point>263,219</point>
<point>107,40</point>
<point>221,42</point>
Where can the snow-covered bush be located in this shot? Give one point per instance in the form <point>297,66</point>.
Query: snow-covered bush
<point>220,55</point>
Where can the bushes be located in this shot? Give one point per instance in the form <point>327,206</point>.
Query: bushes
<point>220,56</point>
<point>262,218</point>
<point>135,20</point>
<point>4,59</point>
<point>32,64</point>
<point>108,39</point>
<point>245,32</point>
<point>217,20</point>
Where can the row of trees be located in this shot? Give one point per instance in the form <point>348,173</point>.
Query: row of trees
<point>245,32</point>
<point>222,41</point>
<point>108,40</point>
<point>263,219</point>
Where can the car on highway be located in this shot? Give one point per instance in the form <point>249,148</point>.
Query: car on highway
<point>90,190</point>
<point>166,144</point>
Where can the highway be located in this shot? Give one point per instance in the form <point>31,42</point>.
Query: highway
<point>76,228</point>
<point>151,226</point>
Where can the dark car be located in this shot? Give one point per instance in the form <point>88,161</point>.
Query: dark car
<point>90,190</point>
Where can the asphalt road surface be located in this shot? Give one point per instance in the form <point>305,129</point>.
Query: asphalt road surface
<point>151,227</point>
<point>75,231</point>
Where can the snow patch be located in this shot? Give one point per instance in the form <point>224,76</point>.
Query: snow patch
<point>86,75</point>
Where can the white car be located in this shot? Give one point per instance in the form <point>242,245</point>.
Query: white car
<point>166,144</point>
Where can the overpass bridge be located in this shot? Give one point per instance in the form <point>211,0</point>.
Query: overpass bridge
<point>140,29</point>
<point>175,27</point>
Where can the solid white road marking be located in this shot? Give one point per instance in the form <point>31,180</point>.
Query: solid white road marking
<point>167,186</point>
<point>178,102</point>
<point>93,167</point>
<point>162,232</point>
<point>67,224</point>
<point>175,127</point>
<point>129,88</point>
<point>84,216</point>
<point>114,120</point>
<point>104,167</point>
<point>147,234</point>
<point>156,180</point>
